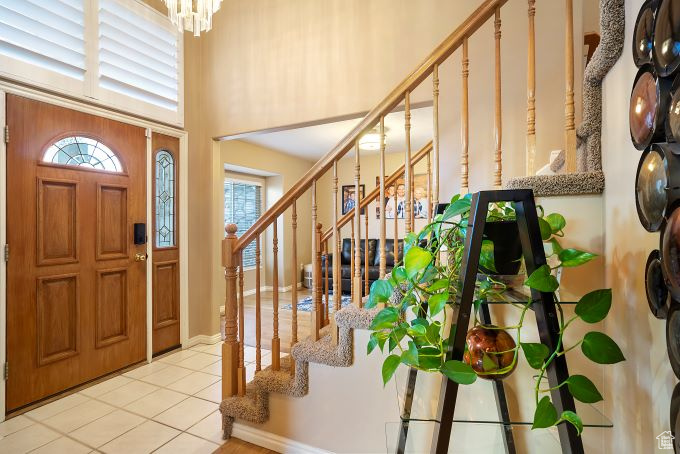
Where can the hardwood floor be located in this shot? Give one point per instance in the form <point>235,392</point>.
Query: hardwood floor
<point>236,446</point>
<point>267,319</point>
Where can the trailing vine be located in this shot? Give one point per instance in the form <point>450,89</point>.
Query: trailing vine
<point>411,326</point>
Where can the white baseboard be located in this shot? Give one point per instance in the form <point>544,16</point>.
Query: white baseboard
<point>272,441</point>
<point>202,339</point>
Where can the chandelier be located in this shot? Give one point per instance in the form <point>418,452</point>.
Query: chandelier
<point>192,15</point>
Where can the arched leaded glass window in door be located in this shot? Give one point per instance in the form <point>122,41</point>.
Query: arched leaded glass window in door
<point>165,199</point>
<point>79,151</point>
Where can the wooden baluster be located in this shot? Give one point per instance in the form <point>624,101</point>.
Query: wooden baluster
<point>357,221</point>
<point>366,253</point>
<point>296,275</point>
<point>351,264</point>
<point>276,342</point>
<point>498,124</point>
<point>434,199</point>
<point>395,249</point>
<point>327,306</point>
<point>382,203</point>
<point>531,93</point>
<point>318,320</point>
<point>316,275</point>
<point>258,309</point>
<point>407,163</point>
<point>569,113</point>
<point>464,123</point>
<point>429,189</point>
<point>412,218</point>
<point>230,347</point>
<point>241,330</point>
<point>337,283</point>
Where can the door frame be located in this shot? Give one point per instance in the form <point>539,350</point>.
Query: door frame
<point>7,87</point>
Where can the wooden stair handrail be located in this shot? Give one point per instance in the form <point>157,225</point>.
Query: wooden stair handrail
<point>366,200</point>
<point>468,27</point>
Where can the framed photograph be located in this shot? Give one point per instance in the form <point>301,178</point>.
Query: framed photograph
<point>349,198</point>
<point>395,194</point>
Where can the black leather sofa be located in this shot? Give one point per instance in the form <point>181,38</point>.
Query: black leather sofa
<point>346,271</point>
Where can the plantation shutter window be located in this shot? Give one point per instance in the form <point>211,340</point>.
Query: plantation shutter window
<point>243,207</point>
<point>121,54</point>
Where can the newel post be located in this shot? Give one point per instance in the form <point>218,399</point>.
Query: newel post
<point>230,345</point>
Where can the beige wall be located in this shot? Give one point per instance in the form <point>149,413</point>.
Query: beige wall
<point>638,392</point>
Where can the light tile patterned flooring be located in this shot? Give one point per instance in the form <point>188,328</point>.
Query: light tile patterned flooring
<point>168,406</point>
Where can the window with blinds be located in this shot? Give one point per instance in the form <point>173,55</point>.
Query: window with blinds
<point>137,55</point>
<point>47,34</point>
<point>243,206</point>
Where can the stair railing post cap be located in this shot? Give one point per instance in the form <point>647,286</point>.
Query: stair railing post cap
<point>231,230</point>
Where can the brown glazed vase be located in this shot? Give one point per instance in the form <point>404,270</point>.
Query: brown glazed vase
<point>482,340</point>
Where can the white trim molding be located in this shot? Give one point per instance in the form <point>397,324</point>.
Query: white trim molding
<point>274,442</point>
<point>202,339</point>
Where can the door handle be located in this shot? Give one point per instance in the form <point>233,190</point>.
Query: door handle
<point>141,257</point>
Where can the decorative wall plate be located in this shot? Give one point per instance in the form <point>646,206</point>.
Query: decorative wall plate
<point>673,337</point>
<point>658,297</point>
<point>666,47</point>
<point>643,37</point>
<point>648,108</point>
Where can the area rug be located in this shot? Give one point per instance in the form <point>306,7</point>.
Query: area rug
<point>305,304</point>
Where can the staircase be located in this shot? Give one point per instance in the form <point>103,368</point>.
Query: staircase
<point>331,339</point>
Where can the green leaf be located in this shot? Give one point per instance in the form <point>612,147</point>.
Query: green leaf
<point>535,353</point>
<point>488,364</point>
<point>542,280</point>
<point>399,274</point>
<point>486,257</point>
<point>437,302</point>
<point>381,290</point>
<point>385,319</point>
<point>372,343</point>
<point>545,414</point>
<point>583,389</point>
<point>556,222</point>
<point>410,356</point>
<point>574,419</point>
<point>601,349</point>
<point>395,337</point>
<point>594,306</point>
<point>417,330</point>
<point>433,333</point>
<point>389,366</point>
<point>575,257</point>
<point>456,208</point>
<point>438,285</point>
<point>416,259</point>
<point>459,372</point>
<point>411,239</point>
<point>429,358</point>
<point>546,231</point>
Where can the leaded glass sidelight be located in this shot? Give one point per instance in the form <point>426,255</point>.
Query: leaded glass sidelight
<point>165,199</point>
<point>85,152</point>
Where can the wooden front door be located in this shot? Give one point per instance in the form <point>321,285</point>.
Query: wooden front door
<point>165,240</point>
<point>76,281</point>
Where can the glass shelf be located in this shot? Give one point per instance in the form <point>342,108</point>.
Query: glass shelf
<point>472,438</point>
<point>476,403</point>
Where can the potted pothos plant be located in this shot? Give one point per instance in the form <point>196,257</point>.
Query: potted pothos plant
<point>417,292</point>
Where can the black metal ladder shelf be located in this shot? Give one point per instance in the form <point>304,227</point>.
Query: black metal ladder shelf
<point>546,317</point>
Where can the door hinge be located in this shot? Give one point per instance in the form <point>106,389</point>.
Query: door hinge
<point>6,253</point>
<point>6,371</point>
<point>6,133</point>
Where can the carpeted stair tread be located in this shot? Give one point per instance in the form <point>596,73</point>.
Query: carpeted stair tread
<point>254,406</point>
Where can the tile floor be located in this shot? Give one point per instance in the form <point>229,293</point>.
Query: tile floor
<point>168,406</point>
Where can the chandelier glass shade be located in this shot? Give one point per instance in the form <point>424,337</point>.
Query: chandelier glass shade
<point>192,15</point>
